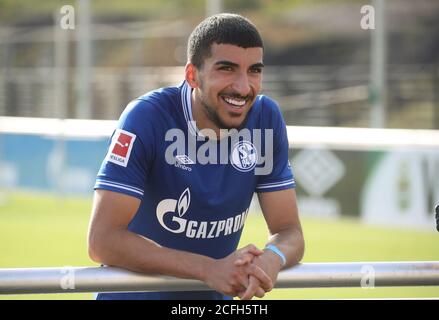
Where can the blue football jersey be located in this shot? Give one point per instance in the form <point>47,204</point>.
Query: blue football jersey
<point>195,192</point>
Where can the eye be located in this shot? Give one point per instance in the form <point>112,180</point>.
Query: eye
<point>225,68</point>
<point>255,70</point>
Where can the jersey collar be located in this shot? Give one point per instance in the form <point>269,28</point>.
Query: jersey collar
<point>186,102</point>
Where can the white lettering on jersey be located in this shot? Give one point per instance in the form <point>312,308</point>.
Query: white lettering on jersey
<point>192,228</point>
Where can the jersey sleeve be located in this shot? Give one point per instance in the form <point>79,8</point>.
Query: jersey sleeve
<point>281,176</point>
<point>130,153</point>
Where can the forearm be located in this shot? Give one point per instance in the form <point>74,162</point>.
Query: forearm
<point>291,243</point>
<point>125,249</point>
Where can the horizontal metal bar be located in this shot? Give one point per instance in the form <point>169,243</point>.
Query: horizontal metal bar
<point>307,275</point>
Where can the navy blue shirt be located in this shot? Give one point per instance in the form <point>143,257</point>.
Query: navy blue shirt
<point>195,193</point>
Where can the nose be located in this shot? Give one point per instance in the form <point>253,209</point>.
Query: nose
<point>241,84</point>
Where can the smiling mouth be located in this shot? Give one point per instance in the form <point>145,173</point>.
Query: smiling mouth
<point>236,103</point>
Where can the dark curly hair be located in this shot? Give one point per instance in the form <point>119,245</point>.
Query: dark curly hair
<point>224,28</point>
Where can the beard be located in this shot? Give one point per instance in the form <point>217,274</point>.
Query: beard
<point>213,116</point>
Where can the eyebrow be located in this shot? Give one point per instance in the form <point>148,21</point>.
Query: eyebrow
<point>232,64</point>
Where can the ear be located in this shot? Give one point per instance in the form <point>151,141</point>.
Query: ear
<point>191,75</point>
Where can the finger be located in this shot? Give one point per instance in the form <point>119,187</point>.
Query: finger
<point>246,254</point>
<point>244,259</point>
<point>241,283</point>
<point>251,248</point>
<point>260,293</point>
<point>265,281</point>
<point>251,289</point>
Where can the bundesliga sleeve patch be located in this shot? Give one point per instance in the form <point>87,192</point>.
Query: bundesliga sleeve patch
<point>120,148</point>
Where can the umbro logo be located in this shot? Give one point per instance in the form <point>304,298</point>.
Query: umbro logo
<point>182,161</point>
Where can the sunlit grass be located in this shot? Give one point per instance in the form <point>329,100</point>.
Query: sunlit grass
<point>37,230</point>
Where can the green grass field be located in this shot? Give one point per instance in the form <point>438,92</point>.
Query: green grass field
<point>37,230</point>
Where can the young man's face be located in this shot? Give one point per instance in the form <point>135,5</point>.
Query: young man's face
<point>227,85</point>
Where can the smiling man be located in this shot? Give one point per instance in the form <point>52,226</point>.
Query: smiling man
<point>225,85</point>
<point>182,217</point>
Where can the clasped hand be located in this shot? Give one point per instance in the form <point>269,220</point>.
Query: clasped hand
<point>246,273</point>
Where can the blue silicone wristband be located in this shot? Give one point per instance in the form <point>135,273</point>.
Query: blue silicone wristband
<point>276,250</point>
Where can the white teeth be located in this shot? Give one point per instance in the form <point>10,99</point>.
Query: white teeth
<point>238,103</point>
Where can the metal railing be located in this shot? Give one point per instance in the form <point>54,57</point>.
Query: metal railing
<point>307,275</point>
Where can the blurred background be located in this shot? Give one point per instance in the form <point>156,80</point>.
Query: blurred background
<point>367,68</point>
<point>318,55</point>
